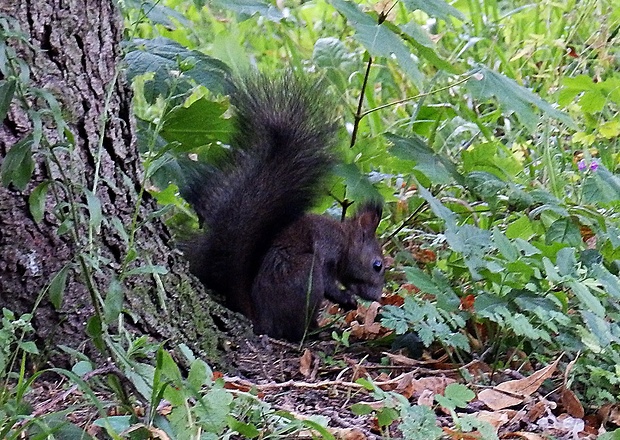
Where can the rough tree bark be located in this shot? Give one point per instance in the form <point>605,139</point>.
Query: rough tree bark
<point>74,54</point>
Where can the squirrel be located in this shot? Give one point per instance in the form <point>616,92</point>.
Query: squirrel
<point>270,259</point>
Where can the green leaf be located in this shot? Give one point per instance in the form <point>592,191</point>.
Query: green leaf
<point>113,302</point>
<point>57,287</point>
<point>358,185</point>
<point>246,430</point>
<point>379,40</point>
<point>419,422</point>
<point>94,211</point>
<point>251,7</point>
<point>435,8</point>
<point>386,416</point>
<point>161,55</point>
<point>36,201</point>
<point>199,124</point>
<point>29,347</point>
<point>437,167</point>
<point>158,13</point>
<point>150,269</point>
<point>566,261</point>
<point>324,433</point>
<point>486,83</point>
<point>361,409</point>
<point>7,90</point>
<point>17,166</point>
<point>94,329</point>
<point>563,230</point>
<point>504,246</point>
<point>459,394</point>
<point>114,424</point>
<point>600,328</point>
<point>421,280</point>
<point>331,53</point>
<point>588,300</point>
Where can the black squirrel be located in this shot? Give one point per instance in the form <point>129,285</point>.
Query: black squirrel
<point>271,260</point>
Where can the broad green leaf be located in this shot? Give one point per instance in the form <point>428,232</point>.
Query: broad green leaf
<point>437,207</point>
<point>115,424</point>
<point>94,210</point>
<point>486,83</point>
<point>566,261</point>
<point>159,13</point>
<point>438,168</point>
<point>435,8</point>
<point>17,166</point>
<point>36,201</point>
<point>113,301</point>
<point>459,394</point>
<point>199,124</point>
<point>161,55</point>
<point>57,287</point>
<point>601,187</point>
<point>358,185</point>
<point>610,282</point>
<point>563,230</point>
<point>504,246</point>
<point>331,53</point>
<point>246,430</point>
<point>587,299</point>
<point>361,409</point>
<point>29,347</point>
<point>251,7</point>
<point>600,328</point>
<point>386,416</point>
<point>7,90</point>
<point>378,39</point>
<point>592,101</point>
<point>94,329</point>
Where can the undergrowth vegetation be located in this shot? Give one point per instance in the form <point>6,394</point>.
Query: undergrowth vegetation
<point>492,131</point>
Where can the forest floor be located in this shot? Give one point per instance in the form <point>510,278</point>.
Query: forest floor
<point>321,377</point>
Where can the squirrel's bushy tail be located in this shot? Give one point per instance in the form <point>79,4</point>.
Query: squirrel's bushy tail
<point>281,150</point>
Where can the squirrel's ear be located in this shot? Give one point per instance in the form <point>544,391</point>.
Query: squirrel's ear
<point>369,216</point>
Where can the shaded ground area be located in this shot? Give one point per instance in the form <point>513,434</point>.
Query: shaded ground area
<point>321,377</point>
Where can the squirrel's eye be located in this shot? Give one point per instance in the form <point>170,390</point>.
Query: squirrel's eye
<point>377,265</point>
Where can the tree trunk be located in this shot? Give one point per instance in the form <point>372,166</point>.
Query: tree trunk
<point>73,55</point>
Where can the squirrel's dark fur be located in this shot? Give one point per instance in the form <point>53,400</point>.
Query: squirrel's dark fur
<point>273,262</point>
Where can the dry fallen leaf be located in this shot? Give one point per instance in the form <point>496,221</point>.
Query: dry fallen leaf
<point>571,403</point>
<point>497,400</point>
<point>305,363</point>
<point>528,385</point>
<point>513,392</point>
<point>495,418</point>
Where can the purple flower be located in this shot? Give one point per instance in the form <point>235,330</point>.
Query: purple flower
<point>593,166</point>
<point>582,165</point>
